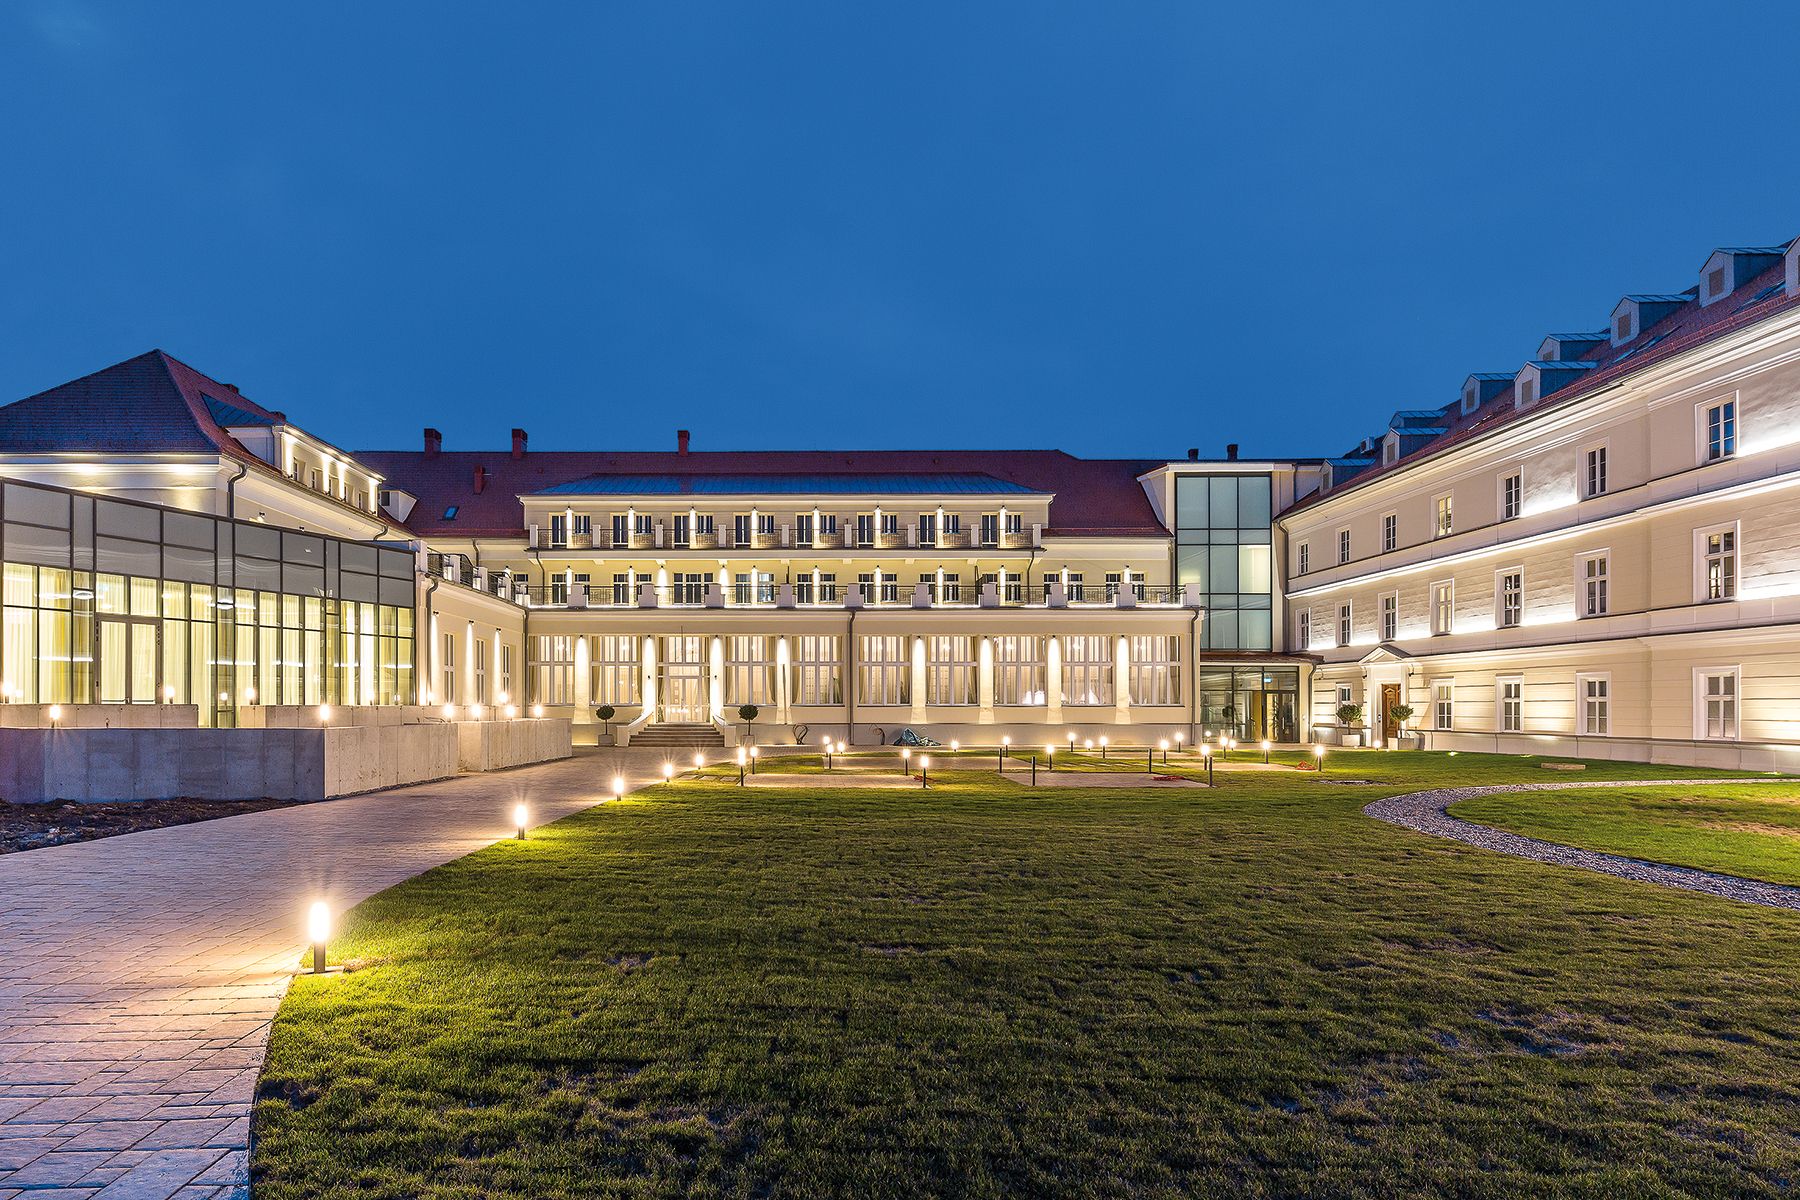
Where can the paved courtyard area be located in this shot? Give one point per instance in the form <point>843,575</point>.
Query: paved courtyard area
<point>139,974</point>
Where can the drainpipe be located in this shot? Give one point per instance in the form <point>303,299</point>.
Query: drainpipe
<point>427,640</point>
<point>1193,668</point>
<point>231,489</point>
<point>850,679</point>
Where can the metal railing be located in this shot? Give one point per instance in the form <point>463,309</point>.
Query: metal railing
<point>884,595</point>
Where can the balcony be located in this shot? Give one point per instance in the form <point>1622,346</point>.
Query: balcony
<point>885,597</point>
<point>891,541</point>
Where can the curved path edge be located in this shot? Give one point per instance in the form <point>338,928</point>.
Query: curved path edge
<point>1423,812</point>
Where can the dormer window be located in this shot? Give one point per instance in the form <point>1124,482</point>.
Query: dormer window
<point>1729,269</point>
<point>1470,402</point>
<point>1390,450</point>
<point>1527,388</point>
<point>1622,328</point>
<point>1715,283</point>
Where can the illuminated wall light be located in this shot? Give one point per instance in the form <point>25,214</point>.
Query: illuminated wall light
<point>318,930</point>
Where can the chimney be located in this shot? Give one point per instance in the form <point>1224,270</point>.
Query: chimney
<point>434,443</point>
<point>480,479</point>
<point>1231,452</point>
<point>518,443</point>
<point>1193,454</point>
<point>681,441</point>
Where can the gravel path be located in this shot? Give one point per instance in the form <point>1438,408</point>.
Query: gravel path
<point>1424,812</point>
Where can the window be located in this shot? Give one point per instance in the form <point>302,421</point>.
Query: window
<point>865,529</point>
<point>552,669</point>
<point>1443,607</point>
<point>1527,392</point>
<point>1390,450</point>
<point>1721,431</point>
<point>559,530</point>
<point>584,525</point>
<point>1019,670</point>
<point>1718,702</point>
<point>952,589</point>
<point>1720,564</point>
<point>952,674</point>
<point>1343,625</point>
<point>1596,471</point>
<point>803,529</point>
<point>740,532</point>
<point>1470,401</point>
<point>749,671</point>
<point>765,524</point>
<point>450,513</point>
<point>1343,546</point>
<point>927,529</point>
<point>754,587</point>
<point>1443,704</point>
<point>1594,580</point>
<point>817,670</point>
<point>1087,670</point>
<point>1014,523</point>
<point>506,670</point>
<point>449,666</point>
<point>481,671</point>
<point>703,524</point>
<point>884,671</point>
<point>621,530</point>
<point>643,525</point>
<point>1715,283</point>
<point>828,592</point>
<point>690,586</point>
<point>1622,327</point>
<point>683,532</point>
<point>990,529</point>
<point>952,523</point>
<point>1512,496</point>
<point>1509,702</point>
<point>622,587</point>
<point>1510,609</point>
<point>1156,670</point>
<point>1390,532</point>
<point>865,583</point>
<point>1305,565</point>
<point>890,588</point>
<point>613,670</point>
<point>1445,524</point>
<point>1303,631</point>
<point>1077,591</point>
<point>1594,692</point>
<point>1390,616</point>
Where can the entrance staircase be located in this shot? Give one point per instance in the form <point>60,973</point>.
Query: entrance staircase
<point>678,735</point>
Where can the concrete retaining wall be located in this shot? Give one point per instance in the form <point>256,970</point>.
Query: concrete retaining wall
<point>100,716</point>
<point>219,764</point>
<point>492,745</point>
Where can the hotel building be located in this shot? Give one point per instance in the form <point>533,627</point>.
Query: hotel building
<point>1591,553</point>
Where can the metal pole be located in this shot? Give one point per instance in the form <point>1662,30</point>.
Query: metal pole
<point>318,958</point>
<point>1034,770</point>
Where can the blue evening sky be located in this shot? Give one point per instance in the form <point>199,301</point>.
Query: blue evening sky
<point>1113,228</point>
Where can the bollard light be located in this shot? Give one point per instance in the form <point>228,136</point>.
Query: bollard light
<point>1071,745</point>
<point>924,770</point>
<point>1001,764</point>
<point>519,816</point>
<point>668,771</point>
<point>1102,747</point>
<point>1088,745</point>
<point>1178,739</point>
<point>1265,752</point>
<point>955,745</point>
<point>537,710</point>
<point>1050,758</point>
<point>618,787</point>
<point>699,761</point>
<point>755,753</point>
<point>324,713</point>
<point>742,758</point>
<point>1165,749</point>
<point>318,930</point>
<point>1319,751</point>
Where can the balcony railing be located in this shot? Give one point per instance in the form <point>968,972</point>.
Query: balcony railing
<point>803,595</point>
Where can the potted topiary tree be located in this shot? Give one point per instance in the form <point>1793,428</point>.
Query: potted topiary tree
<point>1401,714</point>
<point>1350,716</point>
<point>748,712</point>
<point>606,713</point>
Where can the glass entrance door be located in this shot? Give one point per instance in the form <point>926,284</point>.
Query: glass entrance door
<point>129,654</point>
<point>684,682</point>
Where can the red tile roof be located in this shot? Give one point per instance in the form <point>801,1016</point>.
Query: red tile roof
<point>1093,497</point>
<point>1681,330</point>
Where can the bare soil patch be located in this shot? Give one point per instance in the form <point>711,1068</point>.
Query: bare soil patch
<point>58,822</point>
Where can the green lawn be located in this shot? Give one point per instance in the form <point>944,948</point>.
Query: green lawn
<point>980,990</point>
<point>1751,831</point>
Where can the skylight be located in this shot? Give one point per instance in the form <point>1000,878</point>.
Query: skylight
<point>1763,295</point>
<point>450,513</point>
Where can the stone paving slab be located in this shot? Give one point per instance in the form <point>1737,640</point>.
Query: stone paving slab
<point>139,974</point>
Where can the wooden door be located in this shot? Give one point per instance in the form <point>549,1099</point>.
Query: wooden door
<point>1390,696</point>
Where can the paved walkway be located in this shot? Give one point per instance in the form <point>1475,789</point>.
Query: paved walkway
<point>139,974</point>
<point>1424,812</point>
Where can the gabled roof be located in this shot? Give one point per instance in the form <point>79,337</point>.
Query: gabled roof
<point>960,483</point>
<point>1091,497</point>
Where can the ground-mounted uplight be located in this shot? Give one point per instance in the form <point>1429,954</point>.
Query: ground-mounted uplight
<point>249,695</point>
<point>55,713</point>
<point>475,712</point>
<point>449,712</point>
<point>537,710</point>
<point>324,713</point>
<point>318,931</point>
<point>500,699</point>
<point>511,712</point>
<point>168,693</point>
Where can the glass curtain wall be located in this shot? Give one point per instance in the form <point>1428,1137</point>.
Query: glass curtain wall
<point>1222,544</point>
<point>113,601</point>
<point>1249,703</point>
